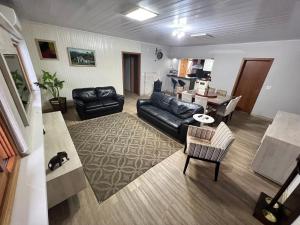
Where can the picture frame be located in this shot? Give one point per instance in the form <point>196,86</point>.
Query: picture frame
<point>47,49</point>
<point>81,57</point>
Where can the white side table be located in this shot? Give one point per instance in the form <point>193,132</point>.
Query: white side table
<point>203,119</point>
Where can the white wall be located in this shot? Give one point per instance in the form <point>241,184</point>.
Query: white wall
<point>108,70</point>
<point>283,76</point>
<point>30,197</point>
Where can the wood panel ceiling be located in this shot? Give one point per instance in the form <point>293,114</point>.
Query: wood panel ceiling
<point>229,21</point>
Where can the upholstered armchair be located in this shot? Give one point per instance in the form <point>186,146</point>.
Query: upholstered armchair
<point>208,144</point>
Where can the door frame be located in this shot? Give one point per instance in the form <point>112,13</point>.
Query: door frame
<point>139,69</point>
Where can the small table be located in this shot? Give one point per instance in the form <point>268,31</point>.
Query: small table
<point>202,118</point>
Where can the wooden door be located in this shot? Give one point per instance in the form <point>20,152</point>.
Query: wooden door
<point>250,80</point>
<point>183,67</point>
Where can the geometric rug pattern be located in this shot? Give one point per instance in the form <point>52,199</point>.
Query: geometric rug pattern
<point>118,148</point>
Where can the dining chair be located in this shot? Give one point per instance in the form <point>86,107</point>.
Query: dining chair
<point>221,92</point>
<point>211,90</point>
<point>174,83</point>
<point>186,96</point>
<point>200,100</point>
<point>208,144</point>
<point>227,110</point>
<point>181,83</point>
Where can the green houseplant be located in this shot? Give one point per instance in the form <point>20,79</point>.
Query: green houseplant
<point>53,85</point>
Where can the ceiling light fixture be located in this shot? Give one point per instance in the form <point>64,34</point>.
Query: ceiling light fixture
<point>141,14</point>
<point>180,26</point>
<point>201,35</point>
<point>178,33</point>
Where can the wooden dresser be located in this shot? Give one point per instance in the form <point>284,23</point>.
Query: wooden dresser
<point>68,179</point>
<point>279,148</point>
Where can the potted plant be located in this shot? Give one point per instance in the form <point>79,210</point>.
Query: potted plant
<point>52,84</point>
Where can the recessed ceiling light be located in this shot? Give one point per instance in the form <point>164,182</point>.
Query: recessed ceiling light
<point>141,14</point>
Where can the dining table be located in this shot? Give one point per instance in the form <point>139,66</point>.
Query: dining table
<point>213,100</point>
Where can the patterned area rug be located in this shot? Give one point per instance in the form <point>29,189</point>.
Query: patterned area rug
<point>116,149</point>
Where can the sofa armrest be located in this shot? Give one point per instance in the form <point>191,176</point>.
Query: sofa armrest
<point>189,120</point>
<point>141,102</point>
<point>79,103</point>
<point>120,99</point>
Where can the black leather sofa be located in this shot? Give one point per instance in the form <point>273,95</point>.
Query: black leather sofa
<point>168,113</point>
<point>99,101</point>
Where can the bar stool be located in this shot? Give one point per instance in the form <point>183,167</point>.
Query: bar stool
<point>181,83</point>
<point>174,82</point>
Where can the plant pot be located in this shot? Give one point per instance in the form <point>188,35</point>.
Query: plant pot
<point>59,104</point>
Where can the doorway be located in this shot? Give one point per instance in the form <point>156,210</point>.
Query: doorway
<point>131,72</point>
<point>251,77</point>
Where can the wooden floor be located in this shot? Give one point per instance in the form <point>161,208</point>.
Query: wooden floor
<point>163,195</point>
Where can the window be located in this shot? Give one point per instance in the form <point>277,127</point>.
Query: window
<point>9,165</point>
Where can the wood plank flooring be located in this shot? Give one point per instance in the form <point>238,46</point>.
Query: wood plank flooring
<point>163,195</point>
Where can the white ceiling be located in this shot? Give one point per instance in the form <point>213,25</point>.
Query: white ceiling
<point>229,21</point>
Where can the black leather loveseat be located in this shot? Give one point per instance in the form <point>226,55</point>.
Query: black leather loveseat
<point>94,102</point>
<point>168,113</point>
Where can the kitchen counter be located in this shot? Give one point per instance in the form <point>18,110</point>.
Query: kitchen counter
<point>183,78</point>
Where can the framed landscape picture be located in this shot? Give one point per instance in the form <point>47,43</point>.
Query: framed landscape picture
<point>46,49</point>
<point>81,57</point>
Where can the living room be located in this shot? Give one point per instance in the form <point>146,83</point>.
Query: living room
<point>131,148</point>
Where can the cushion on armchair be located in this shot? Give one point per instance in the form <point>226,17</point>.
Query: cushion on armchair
<point>106,92</point>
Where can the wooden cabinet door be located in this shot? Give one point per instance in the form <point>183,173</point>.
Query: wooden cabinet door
<point>183,67</point>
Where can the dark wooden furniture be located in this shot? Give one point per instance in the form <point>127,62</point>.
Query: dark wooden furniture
<point>270,212</point>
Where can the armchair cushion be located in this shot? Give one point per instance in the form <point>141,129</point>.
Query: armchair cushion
<point>105,92</point>
<point>109,102</point>
<point>93,105</point>
<point>223,136</point>
<point>203,132</point>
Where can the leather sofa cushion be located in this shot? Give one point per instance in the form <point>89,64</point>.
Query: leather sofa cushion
<point>162,115</point>
<point>88,96</point>
<point>109,102</point>
<point>161,100</point>
<point>184,110</point>
<point>105,92</point>
<point>93,105</point>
